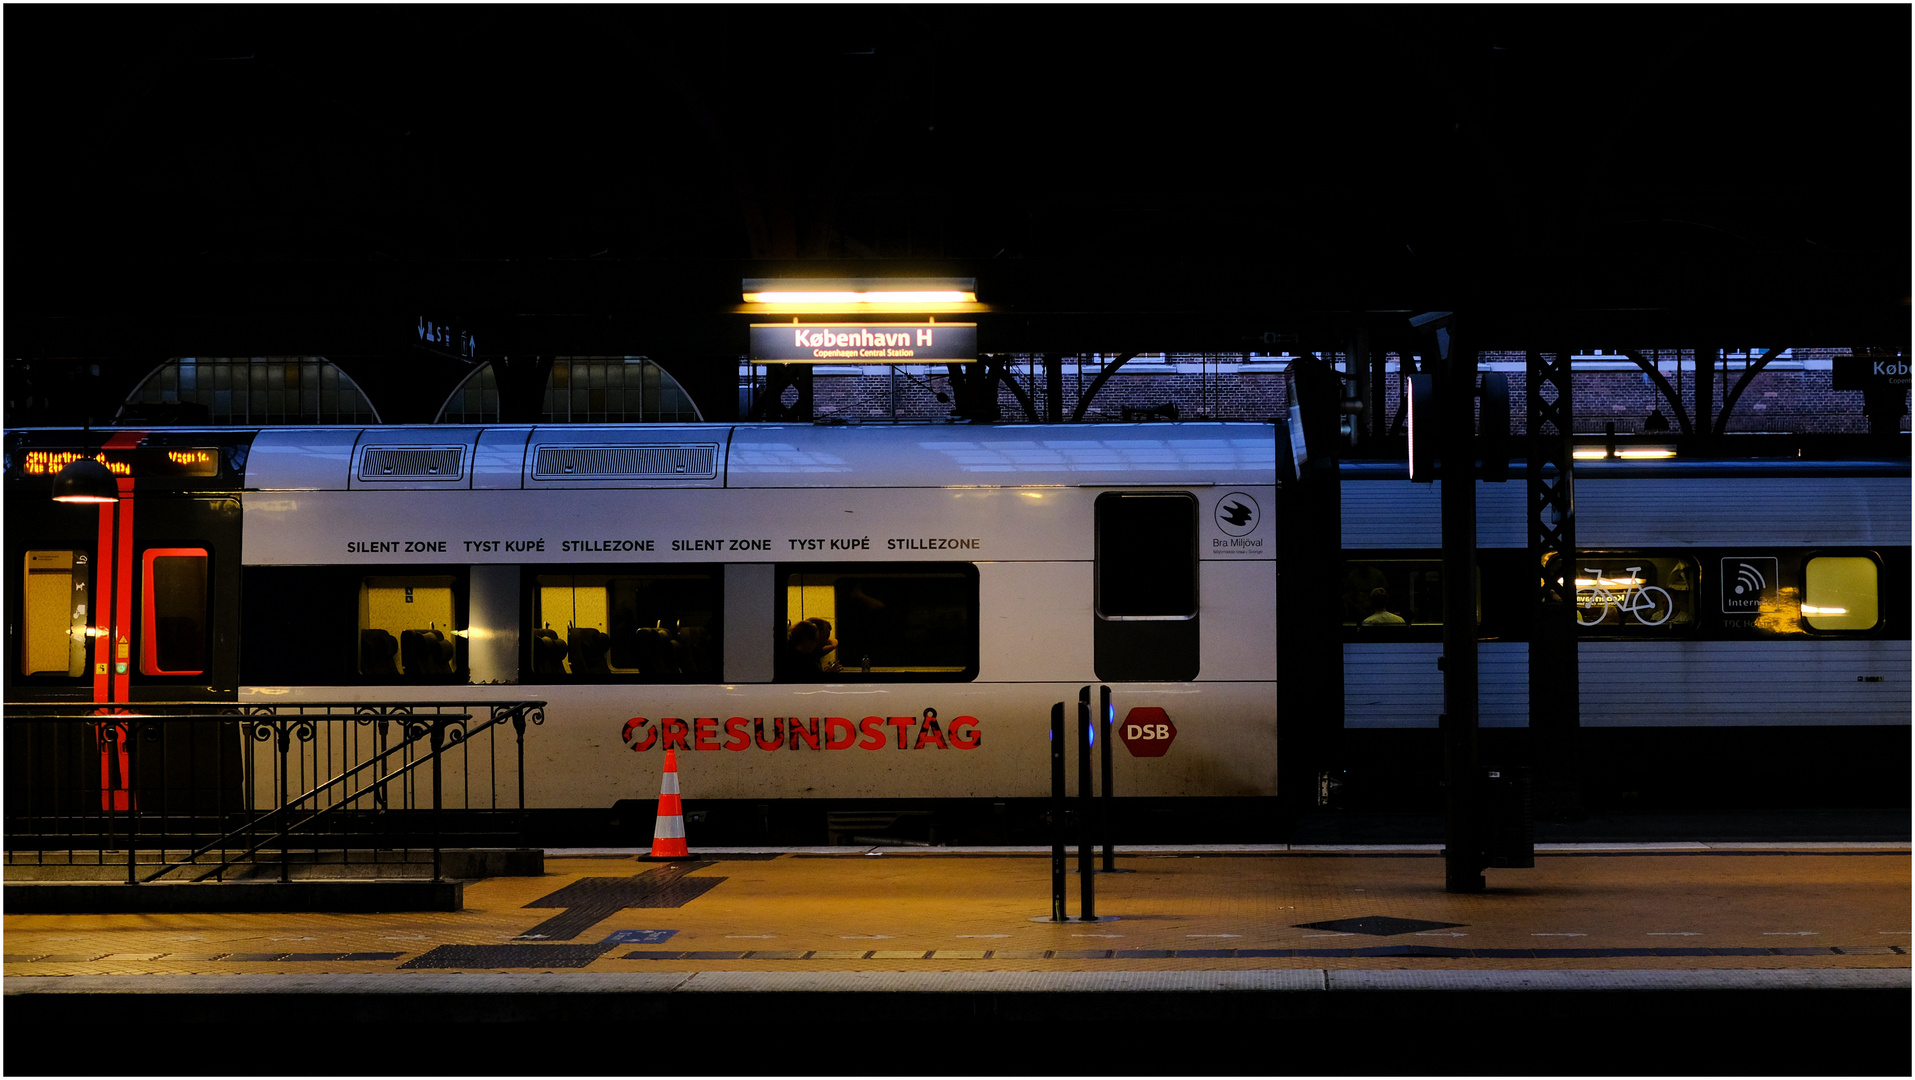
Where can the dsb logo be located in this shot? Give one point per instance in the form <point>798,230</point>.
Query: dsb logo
<point>1147,731</point>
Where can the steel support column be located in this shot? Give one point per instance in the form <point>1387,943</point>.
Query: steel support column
<point>1310,601</point>
<point>1554,692</point>
<point>1705,391</point>
<point>1464,835</point>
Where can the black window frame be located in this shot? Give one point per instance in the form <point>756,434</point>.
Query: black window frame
<point>530,612</point>
<point>1700,610</point>
<point>1883,614</point>
<point>785,671</point>
<point>1504,592</point>
<point>1107,564</point>
<point>321,643</point>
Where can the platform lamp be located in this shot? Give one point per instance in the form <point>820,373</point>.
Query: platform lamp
<point>86,480</point>
<point>822,295</point>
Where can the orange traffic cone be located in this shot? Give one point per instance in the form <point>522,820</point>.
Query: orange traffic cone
<point>668,838</point>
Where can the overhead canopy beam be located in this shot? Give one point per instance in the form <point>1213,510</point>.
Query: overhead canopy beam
<point>1735,392</point>
<point>1098,384</point>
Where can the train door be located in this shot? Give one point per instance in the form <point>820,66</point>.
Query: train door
<point>1146,587</point>
<point>117,603</point>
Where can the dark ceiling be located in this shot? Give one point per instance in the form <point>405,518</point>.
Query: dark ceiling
<point>274,167</point>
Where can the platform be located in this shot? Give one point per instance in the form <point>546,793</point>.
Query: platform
<point>1346,940</point>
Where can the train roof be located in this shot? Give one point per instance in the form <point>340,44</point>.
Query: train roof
<point>1669,469</point>
<point>815,455</point>
<point>500,457</point>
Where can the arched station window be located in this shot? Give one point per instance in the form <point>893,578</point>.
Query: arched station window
<point>582,390</point>
<point>248,390</point>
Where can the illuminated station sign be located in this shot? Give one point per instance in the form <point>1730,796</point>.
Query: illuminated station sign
<point>863,343</point>
<point>1870,371</point>
<point>139,462</point>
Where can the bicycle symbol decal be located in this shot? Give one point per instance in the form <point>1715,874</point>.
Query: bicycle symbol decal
<point>1650,604</point>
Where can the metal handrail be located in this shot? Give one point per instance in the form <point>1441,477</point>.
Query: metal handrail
<point>290,722</point>
<point>287,804</point>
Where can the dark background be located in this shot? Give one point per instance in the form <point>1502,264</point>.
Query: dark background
<point>313,165</point>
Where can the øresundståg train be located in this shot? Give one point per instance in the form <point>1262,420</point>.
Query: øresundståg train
<point>656,585</point>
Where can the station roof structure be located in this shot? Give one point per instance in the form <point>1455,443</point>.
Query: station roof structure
<point>240,180</point>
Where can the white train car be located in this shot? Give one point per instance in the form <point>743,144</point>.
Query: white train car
<point>1737,620</point>
<point>654,584</point>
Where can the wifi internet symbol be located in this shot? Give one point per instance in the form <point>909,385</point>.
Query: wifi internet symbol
<point>1748,579</point>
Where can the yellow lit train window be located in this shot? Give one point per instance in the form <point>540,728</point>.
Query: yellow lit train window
<point>53,613</point>
<point>406,627</point>
<point>1838,593</point>
<point>880,623</point>
<point>174,610</point>
<point>658,627</point>
<point>571,631</point>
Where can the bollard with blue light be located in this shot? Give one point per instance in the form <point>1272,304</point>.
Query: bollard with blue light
<point>1057,814</point>
<point>1108,723</point>
<point>1064,818</point>
<point>1086,866</point>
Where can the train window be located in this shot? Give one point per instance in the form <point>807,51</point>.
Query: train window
<point>879,623</point>
<point>1146,556</point>
<point>53,613</point>
<point>1839,593</point>
<point>407,627</point>
<point>174,612</point>
<point>1144,588</point>
<point>1385,594</point>
<point>649,627</point>
<point>1625,591</point>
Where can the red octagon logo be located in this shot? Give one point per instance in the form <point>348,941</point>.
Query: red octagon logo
<point>1147,731</point>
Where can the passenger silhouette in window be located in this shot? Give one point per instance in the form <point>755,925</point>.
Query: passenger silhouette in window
<point>810,646</point>
<point>1380,613</point>
<point>1358,584</point>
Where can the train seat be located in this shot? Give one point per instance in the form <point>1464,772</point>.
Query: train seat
<point>425,652</point>
<point>588,647</point>
<point>627,649</point>
<point>548,652</point>
<point>376,652</point>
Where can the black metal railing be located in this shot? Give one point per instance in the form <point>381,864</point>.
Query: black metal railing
<point>199,790</point>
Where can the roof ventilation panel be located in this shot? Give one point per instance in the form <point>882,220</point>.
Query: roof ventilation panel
<point>412,463</point>
<point>635,461</point>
